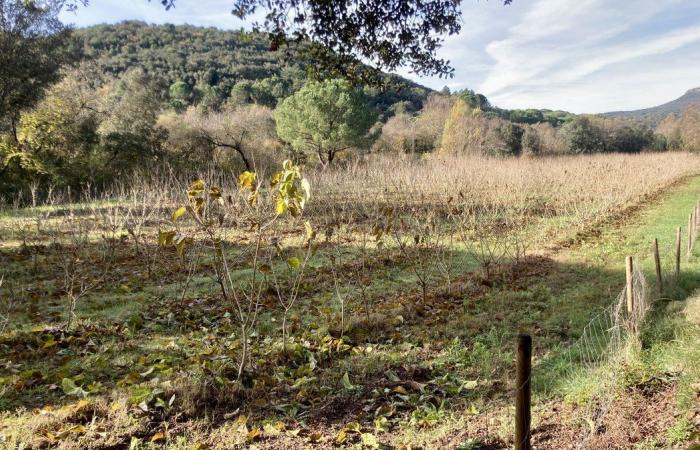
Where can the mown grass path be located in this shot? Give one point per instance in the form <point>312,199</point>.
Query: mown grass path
<point>657,386</point>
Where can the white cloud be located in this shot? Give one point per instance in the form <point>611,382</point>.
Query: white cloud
<point>551,54</point>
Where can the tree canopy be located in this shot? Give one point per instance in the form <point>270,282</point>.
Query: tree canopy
<point>218,66</point>
<point>33,47</point>
<point>324,118</point>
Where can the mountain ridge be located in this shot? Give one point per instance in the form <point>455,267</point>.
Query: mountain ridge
<point>655,114</point>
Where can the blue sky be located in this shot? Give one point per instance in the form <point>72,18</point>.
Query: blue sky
<point>577,55</point>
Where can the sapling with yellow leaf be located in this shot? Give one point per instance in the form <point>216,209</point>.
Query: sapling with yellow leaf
<point>239,229</point>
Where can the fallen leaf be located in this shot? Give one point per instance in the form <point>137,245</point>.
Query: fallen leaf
<point>400,390</point>
<point>254,434</point>
<point>341,437</point>
<point>369,440</point>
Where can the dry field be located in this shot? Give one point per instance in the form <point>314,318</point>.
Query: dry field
<point>574,191</point>
<point>383,315</point>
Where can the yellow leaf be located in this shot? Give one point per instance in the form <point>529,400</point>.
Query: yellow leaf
<point>241,420</point>
<point>214,193</point>
<point>253,198</point>
<point>165,238</point>
<point>253,434</point>
<point>81,405</point>
<point>159,436</point>
<point>353,427</point>
<point>315,437</point>
<point>179,213</point>
<point>281,206</point>
<point>341,437</point>
<point>400,390</point>
<point>310,233</point>
<point>200,446</point>
<point>181,245</point>
<point>470,384</point>
<point>246,180</point>
<point>271,430</point>
<point>369,440</point>
<point>381,424</point>
<point>306,186</point>
<point>294,262</point>
<point>76,429</point>
<point>274,181</point>
<point>198,186</point>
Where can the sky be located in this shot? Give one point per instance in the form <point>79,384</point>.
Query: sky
<point>583,56</point>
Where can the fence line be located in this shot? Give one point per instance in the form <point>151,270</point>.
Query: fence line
<point>608,336</point>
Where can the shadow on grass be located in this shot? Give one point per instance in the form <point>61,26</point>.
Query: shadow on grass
<point>408,353</point>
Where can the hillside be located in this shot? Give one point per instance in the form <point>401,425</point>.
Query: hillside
<point>653,116</point>
<point>213,58</point>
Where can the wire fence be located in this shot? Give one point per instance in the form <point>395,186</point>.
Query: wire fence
<point>611,334</point>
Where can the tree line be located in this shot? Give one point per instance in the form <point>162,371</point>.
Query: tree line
<point>466,122</point>
<point>121,98</point>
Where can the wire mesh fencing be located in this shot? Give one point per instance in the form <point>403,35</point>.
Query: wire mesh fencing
<point>611,335</point>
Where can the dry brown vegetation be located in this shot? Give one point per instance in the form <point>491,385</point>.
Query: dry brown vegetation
<point>566,194</point>
<point>683,130</point>
<point>390,320</point>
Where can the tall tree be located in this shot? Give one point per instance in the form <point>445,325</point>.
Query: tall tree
<point>583,136</point>
<point>33,47</point>
<point>325,118</point>
<point>130,133</point>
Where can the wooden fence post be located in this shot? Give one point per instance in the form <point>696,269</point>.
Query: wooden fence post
<point>522,400</point>
<point>690,233</point>
<point>678,252</point>
<point>629,272</point>
<point>657,263</point>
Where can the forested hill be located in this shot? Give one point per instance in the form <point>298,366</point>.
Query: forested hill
<point>653,116</point>
<point>214,62</point>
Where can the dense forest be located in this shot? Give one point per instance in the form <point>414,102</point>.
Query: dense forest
<point>209,65</point>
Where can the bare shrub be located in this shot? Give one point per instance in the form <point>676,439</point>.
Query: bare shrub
<point>416,234</point>
<point>242,136</point>
<point>576,190</point>
<point>550,138</point>
<point>473,132</point>
<point>72,244</point>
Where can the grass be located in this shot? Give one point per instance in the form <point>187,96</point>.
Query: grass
<point>433,372</point>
